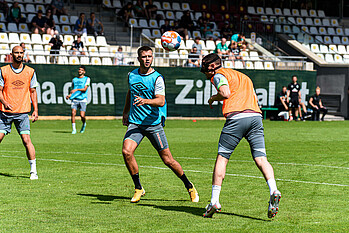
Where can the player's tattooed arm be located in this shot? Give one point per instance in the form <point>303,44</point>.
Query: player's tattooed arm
<point>158,101</point>
<point>2,100</point>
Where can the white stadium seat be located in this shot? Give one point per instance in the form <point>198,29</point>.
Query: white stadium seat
<point>96,61</point>
<point>3,38</point>
<point>25,38</point>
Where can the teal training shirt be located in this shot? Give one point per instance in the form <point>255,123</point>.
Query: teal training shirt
<point>143,85</point>
<point>79,83</point>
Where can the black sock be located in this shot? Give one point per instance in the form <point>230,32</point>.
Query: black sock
<point>136,181</point>
<point>186,182</point>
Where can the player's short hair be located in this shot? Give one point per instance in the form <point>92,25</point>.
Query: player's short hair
<point>317,88</point>
<point>212,58</point>
<point>294,76</point>
<point>82,67</point>
<point>284,87</point>
<point>208,59</point>
<point>142,49</point>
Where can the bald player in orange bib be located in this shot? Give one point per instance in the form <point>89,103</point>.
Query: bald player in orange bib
<point>243,119</point>
<point>17,90</point>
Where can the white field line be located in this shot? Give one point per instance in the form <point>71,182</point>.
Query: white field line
<point>189,158</point>
<point>164,168</point>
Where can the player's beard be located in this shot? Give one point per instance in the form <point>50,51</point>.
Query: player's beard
<point>18,60</point>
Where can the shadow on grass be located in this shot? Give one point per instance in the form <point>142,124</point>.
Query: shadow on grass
<point>104,197</point>
<point>245,216</point>
<point>9,175</point>
<point>112,197</point>
<point>187,209</point>
<point>62,131</point>
<point>198,211</point>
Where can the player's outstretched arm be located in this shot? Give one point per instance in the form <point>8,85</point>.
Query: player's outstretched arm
<point>2,100</point>
<point>158,101</point>
<point>34,99</point>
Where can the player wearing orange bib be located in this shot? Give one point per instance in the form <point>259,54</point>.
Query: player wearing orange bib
<point>243,119</point>
<point>17,89</point>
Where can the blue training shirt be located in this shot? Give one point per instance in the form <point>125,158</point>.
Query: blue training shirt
<point>80,83</point>
<point>143,85</point>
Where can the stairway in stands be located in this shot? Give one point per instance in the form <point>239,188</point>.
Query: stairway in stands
<point>115,32</point>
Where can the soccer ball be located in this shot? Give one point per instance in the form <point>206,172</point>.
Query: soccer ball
<point>171,40</point>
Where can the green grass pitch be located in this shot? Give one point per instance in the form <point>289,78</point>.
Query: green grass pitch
<point>84,185</point>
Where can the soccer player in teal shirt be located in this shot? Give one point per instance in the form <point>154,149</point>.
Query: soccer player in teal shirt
<point>78,96</point>
<point>144,114</point>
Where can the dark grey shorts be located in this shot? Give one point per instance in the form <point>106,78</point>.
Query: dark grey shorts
<point>235,129</point>
<point>79,105</point>
<point>155,133</point>
<point>21,121</point>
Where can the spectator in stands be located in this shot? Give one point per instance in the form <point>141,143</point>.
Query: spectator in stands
<point>151,10</point>
<point>51,23</point>
<point>226,31</point>
<point>316,104</point>
<point>197,45</point>
<point>56,43</point>
<point>181,30</point>
<point>78,47</point>
<point>119,58</point>
<point>187,23</point>
<point>166,27</point>
<point>94,26</point>
<point>126,12</point>
<point>4,8</point>
<point>139,10</point>
<point>80,25</point>
<point>206,29</point>
<point>39,24</point>
<point>57,7</point>
<point>235,53</point>
<point>239,39</point>
<point>194,58</point>
<point>222,49</point>
<point>293,96</point>
<point>15,14</point>
<point>26,58</point>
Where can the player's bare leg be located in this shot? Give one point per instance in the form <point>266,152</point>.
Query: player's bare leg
<point>2,135</point>
<point>170,162</point>
<point>83,119</point>
<point>73,114</point>
<point>219,170</point>
<point>265,167</point>
<point>30,151</point>
<point>268,173</point>
<point>128,149</point>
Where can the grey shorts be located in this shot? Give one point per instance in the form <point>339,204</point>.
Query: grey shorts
<point>21,121</point>
<point>235,129</point>
<point>79,105</point>
<point>155,134</point>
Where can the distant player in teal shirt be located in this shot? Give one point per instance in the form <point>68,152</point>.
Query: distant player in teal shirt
<point>144,114</point>
<point>78,96</point>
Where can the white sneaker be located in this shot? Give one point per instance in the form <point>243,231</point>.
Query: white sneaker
<point>211,209</point>
<point>274,204</point>
<point>34,176</point>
